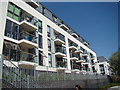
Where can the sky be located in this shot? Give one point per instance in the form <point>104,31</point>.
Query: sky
<point>95,22</point>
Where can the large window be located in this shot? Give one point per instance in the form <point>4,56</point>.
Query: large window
<point>40,41</point>
<point>11,30</point>
<point>50,60</point>
<point>48,31</point>
<point>40,26</point>
<point>13,12</point>
<point>49,45</point>
<point>40,58</point>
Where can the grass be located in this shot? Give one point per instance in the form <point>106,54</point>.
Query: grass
<point>109,85</point>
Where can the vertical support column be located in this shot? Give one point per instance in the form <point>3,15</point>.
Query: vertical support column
<point>67,53</point>
<point>3,11</point>
<point>53,48</point>
<point>45,45</point>
<point>36,50</point>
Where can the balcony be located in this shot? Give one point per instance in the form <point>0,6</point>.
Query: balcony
<point>27,60</point>
<point>73,57</point>
<point>61,63</point>
<point>32,3</point>
<point>27,40</point>
<point>80,61</point>
<point>59,39</point>
<point>74,35</point>
<point>92,57</point>
<point>79,50</point>
<point>85,54</point>
<point>60,51</point>
<point>63,26</point>
<point>85,43</point>
<point>27,24</point>
<point>72,46</point>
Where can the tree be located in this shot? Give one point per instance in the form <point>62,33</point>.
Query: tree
<point>115,63</point>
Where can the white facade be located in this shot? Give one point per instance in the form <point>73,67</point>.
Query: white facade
<point>70,55</point>
<point>103,67</point>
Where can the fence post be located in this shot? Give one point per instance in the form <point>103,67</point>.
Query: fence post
<point>1,68</point>
<point>27,81</point>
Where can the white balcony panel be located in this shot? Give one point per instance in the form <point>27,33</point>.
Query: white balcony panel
<point>73,59</point>
<point>59,42</point>
<point>80,61</point>
<point>27,64</point>
<point>28,44</point>
<point>72,47</point>
<point>59,54</point>
<point>64,27</point>
<point>28,26</point>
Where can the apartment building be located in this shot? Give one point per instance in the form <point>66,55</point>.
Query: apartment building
<point>32,37</point>
<point>103,65</point>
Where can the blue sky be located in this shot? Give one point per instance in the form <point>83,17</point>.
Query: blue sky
<point>95,22</point>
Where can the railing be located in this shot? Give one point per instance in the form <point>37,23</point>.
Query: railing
<point>73,44</point>
<point>73,55</point>
<point>25,56</point>
<point>85,52</point>
<point>61,62</point>
<point>15,75</point>
<point>28,19</point>
<point>60,49</point>
<point>61,37</point>
<point>28,36</point>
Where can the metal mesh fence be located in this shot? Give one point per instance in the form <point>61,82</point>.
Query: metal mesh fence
<point>29,78</point>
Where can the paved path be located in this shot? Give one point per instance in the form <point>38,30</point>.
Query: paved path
<point>114,88</point>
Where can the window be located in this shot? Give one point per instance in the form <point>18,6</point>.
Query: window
<point>50,60</point>
<point>40,58</point>
<point>13,12</point>
<point>49,45</point>
<point>11,30</point>
<point>40,41</point>
<point>40,26</point>
<point>48,31</point>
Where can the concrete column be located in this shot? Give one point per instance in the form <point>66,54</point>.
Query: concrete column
<point>67,53</point>
<point>45,44</point>
<point>3,11</point>
<point>53,48</point>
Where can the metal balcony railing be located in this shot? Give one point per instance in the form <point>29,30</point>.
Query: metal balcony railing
<point>61,37</point>
<point>28,36</point>
<point>61,49</point>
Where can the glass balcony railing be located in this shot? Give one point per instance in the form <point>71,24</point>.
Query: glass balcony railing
<point>61,62</point>
<point>26,56</point>
<point>73,44</point>
<point>85,53</point>
<point>61,37</point>
<point>73,55</point>
<point>28,19</point>
<point>28,36</point>
<point>61,49</point>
